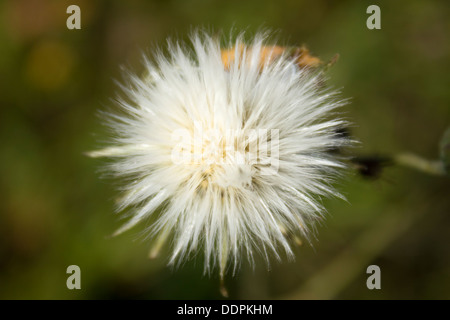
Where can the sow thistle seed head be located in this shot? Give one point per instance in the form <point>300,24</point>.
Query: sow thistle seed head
<point>226,149</point>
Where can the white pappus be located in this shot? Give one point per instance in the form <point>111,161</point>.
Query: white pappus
<point>227,154</point>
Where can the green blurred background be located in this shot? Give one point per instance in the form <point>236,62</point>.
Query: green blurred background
<point>55,211</point>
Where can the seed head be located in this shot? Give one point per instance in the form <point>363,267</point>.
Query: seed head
<point>225,149</point>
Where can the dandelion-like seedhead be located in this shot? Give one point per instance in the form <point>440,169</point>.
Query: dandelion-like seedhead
<point>226,148</point>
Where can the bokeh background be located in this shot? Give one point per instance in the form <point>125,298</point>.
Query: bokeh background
<point>55,211</point>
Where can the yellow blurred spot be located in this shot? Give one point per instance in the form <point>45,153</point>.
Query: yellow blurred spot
<point>49,65</point>
<point>298,241</point>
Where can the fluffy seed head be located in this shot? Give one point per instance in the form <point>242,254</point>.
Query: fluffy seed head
<point>225,149</point>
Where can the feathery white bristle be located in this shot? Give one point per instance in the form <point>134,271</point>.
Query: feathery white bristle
<point>254,137</point>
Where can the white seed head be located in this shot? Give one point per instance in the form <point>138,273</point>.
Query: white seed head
<point>227,157</point>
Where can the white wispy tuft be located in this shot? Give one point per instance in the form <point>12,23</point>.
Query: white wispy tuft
<point>231,159</point>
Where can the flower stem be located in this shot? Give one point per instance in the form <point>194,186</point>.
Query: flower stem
<point>411,160</point>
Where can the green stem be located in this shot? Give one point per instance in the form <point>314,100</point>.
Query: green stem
<point>411,160</point>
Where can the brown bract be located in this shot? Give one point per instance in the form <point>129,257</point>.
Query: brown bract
<point>270,53</point>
